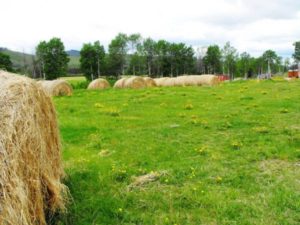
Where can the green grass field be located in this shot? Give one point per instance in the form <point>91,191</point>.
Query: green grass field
<point>226,155</point>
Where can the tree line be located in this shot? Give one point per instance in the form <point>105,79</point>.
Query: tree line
<point>131,54</point>
<point>135,55</point>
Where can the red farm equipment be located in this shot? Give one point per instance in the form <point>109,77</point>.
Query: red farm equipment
<point>293,74</point>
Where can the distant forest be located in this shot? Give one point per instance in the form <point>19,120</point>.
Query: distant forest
<point>135,55</point>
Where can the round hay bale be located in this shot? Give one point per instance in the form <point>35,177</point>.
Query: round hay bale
<point>159,81</point>
<point>149,82</point>
<point>182,81</point>
<point>30,153</point>
<point>203,80</point>
<point>98,84</point>
<point>57,87</point>
<point>208,79</point>
<point>120,83</point>
<point>170,82</point>
<point>195,80</point>
<point>135,83</point>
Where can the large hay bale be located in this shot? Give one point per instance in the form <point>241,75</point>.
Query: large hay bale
<point>149,82</point>
<point>57,87</point>
<point>170,82</point>
<point>134,82</point>
<point>193,80</point>
<point>204,80</point>
<point>209,80</point>
<point>30,156</point>
<point>184,81</point>
<point>120,83</point>
<point>159,81</point>
<point>98,84</point>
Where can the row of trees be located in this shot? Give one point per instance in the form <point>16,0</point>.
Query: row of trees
<point>228,61</point>
<point>132,54</point>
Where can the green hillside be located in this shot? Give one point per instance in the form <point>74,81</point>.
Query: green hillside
<point>20,59</point>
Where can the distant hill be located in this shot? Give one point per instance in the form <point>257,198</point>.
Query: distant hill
<point>74,59</point>
<point>73,53</point>
<point>19,59</point>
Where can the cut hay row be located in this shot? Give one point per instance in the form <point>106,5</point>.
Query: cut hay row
<point>30,153</point>
<point>135,82</point>
<point>98,84</point>
<point>57,87</point>
<point>188,80</point>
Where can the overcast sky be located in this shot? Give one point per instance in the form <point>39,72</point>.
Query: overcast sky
<point>250,25</point>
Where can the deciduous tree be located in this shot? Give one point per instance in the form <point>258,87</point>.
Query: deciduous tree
<point>5,62</point>
<point>117,53</point>
<point>53,58</point>
<point>212,59</point>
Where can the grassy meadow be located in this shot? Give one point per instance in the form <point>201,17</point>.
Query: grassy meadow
<point>222,155</point>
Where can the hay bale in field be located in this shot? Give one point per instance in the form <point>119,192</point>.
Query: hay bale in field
<point>205,80</point>
<point>185,80</point>
<point>180,81</point>
<point>170,82</point>
<point>135,82</point>
<point>30,156</point>
<point>57,87</point>
<point>193,80</point>
<point>120,83</point>
<point>160,81</point>
<point>149,82</point>
<point>98,84</point>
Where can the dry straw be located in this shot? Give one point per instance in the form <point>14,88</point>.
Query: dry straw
<point>159,81</point>
<point>206,80</point>
<point>98,84</point>
<point>30,154</point>
<point>197,80</point>
<point>120,83</point>
<point>149,82</point>
<point>170,82</point>
<point>57,87</point>
<point>133,82</point>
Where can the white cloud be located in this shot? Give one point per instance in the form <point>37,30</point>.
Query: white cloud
<point>252,26</point>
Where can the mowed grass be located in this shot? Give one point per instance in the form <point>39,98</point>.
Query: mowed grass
<point>227,154</point>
